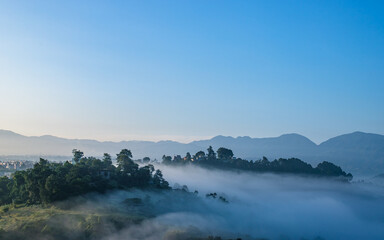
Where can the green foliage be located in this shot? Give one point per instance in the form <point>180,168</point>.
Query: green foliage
<point>187,157</point>
<point>329,169</point>
<point>39,222</point>
<point>146,160</point>
<point>167,159</point>
<point>225,160</point>
<point>159,181</point>
<point>211,154</point>
<point>224,153</point>
<point>200,155</point>
<point>77,155</point>
<point>125,162</point>
<point>5,190</point>
<point>48,182</point>
<point>107,159</point>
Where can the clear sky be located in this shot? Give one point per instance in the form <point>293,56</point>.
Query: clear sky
<point>182,70</point>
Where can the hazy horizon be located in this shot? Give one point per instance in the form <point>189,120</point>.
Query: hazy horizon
<point>179,139</point>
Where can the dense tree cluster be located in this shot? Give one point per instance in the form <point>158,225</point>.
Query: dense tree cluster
<point>47,181</point>
<point>225,159</point>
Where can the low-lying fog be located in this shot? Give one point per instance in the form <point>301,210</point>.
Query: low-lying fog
<point>259,206</point>
<point>281,207</point>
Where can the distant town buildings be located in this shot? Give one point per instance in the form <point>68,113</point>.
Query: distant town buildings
<point>7,167</point>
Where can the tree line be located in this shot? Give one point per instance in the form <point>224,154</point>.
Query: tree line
<point>48,181</point>
<point>224,158</point>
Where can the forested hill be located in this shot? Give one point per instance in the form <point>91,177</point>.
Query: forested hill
<point>224,159</point>
<point>48,182</point>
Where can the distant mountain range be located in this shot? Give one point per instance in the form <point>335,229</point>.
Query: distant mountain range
<point>358,152</point>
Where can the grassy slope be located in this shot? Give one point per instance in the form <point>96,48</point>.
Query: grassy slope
<point>79,219</point>
<point>55,223</point>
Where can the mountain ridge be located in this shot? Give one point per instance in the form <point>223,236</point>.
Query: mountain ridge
<point>356,151</point>
<point>9,132</point>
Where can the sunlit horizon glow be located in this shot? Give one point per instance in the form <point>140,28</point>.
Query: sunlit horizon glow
<point>120,137</point>
<point>190,70</point>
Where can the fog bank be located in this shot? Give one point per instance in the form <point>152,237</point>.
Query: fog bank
<point>283,206</point>
<point>255,206</point>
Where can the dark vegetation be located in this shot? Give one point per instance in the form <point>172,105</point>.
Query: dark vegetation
<point>224,159</point>
<point>216,196</point>
<point>31,198</point>
<point>47,182</point>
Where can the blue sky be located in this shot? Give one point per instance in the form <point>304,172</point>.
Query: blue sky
<point>183,70</point>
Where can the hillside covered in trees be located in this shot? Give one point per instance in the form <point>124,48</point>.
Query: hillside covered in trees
<point>35,200</point>
<point>47,182</point>
<point>66,201</point>
<point>224,159</point>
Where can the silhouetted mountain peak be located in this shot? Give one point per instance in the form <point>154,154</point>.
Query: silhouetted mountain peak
<point>221,137</point>
<point>355,139</point>
<point>49,137</point>
<point>7,133</point>
<point>295,136</point>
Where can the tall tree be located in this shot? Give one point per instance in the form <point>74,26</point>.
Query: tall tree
<point>188,157</point>
<point>77,155</point>
<point>125,162</point>
<point>107,160</point>
<point>211,154</point>
<point>167,159</point>
<point>159,181</point>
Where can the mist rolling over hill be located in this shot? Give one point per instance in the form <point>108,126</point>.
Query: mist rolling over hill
<point>153,112</point>
<point>358,152</point>
<point>202,203</point>
<point>276,206</point>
